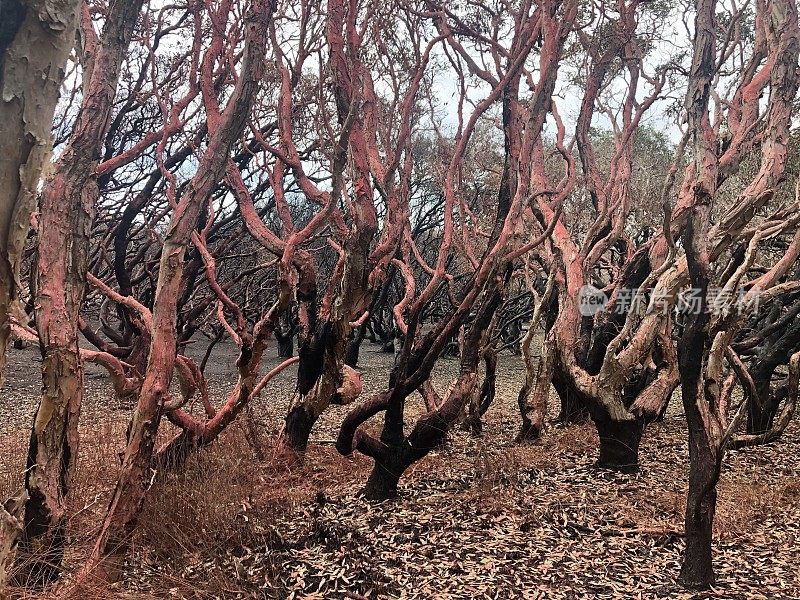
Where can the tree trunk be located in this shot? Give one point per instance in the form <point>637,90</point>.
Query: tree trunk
<point>480,402</point>
<point>67,211</point>
<point>515,335</point>
<point>697,571</point>
<point>135,476</point>
<point>297,427</point>
<point>316,385</point>
<point>760,418</point>
<point>11,528</point>
<point>35,44</point>
<point>285,336</point>
<point>354,346</point>
<point>51,465</point>
<point>573,411</point>
<point>534,395</point>
<point>761,410</point>
<point>530,430</point>
<point>573,408</point>
<point>385,475</point>
<point>619,444</point>
<point>285,345</point>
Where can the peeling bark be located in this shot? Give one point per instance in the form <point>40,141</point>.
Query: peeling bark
<point>35,40</point>
<point>67,209</point>
<point>135,476</point>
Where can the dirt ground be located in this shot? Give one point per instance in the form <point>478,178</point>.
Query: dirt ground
<point>479,518</point>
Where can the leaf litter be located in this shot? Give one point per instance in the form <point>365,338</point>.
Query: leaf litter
<point>478,518</point>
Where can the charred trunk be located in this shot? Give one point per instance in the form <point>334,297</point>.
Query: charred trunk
<point>387,345</point>
<point>296,431</point>
<point>285,346</point>
<point>354,346</point>
<point>316,350</point>
<point>40,559</point>
<point>573,407</point>
<point>50,467</point>
<point>386,473</point>
<point>284,335</point>
<point>761,415</point>
<point>619,444</point>
<point>697,571</point>
<point>514,337</point>
<point>700,400</point>
<point>761,410</point>
<point>529,431</point>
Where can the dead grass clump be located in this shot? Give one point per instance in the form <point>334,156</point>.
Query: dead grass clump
<point>200,526</point>
<point>12,464</point>
<point>575,440</point>
<point>207,502</point>
<point>743,504</point>
<point>95,475</point>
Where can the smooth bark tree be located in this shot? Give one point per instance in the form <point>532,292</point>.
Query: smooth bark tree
<point>224,127</point>
<point>66,211</point>
<point>34,46</point>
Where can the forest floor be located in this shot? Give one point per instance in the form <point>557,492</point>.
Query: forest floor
<point>479,518</point>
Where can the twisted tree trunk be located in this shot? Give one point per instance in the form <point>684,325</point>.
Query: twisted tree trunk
<point>134,478</point>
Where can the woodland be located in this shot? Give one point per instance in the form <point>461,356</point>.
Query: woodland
<point>399,299</point>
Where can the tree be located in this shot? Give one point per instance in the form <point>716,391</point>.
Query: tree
<point>395,451</point>
<point>66,210</point>
<point>35,43</point>
<point>705,340</point>
<point>379,130</point>
<point>583,353</point>
<point>224,127</point>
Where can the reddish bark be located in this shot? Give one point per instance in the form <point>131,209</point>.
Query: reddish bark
<point>394,452</point>
<point>134,477</point>
<point>587,374</point>
<point>365,253</point>
<point>66,211</point>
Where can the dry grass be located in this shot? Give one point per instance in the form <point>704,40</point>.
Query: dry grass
<point>742,505</point>
<point>226,502</point>
<point>201,527</point>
